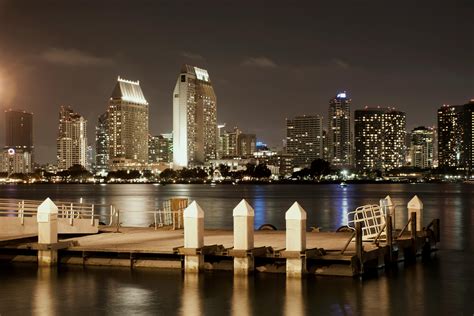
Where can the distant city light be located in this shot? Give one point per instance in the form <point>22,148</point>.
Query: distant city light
<point>341,95</point>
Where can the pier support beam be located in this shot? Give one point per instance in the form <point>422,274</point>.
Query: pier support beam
<point>193,237</point>
<point>295,240</point>
<point>415,205</point>
<point>243,237</point>
<point>47,218</point>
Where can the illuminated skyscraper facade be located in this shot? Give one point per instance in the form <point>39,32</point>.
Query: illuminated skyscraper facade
<point>450,136</point>
<point>246,145</point>
<point>102,143</point>
<point>339,131</point>
<point>304,139</point>
<point>72,139</point>
<point>127,124</point>
<point>468,136</point>
<point>379,138</point>
<point>17,156</point>
<point>194,118</point>
<point>421,147</point>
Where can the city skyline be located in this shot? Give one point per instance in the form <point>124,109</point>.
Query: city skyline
<point>258,67</point>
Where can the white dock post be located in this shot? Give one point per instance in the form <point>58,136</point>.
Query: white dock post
<point>295,240</point>
<point>390,209</point>
<point>193,237</point>
<point>47,218</point>
<point>415,205</point>
<point>243,237</point>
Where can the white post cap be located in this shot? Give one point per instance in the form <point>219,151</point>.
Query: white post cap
<point>243,209</point>
<point>48,207</point>
<point>193,211</point>
<point>295,212</point>
<point>389,200</point>
<point>415,203</point>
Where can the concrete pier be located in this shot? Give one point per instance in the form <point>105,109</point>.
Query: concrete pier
<point>295,240</point>
<point>47,218</point>
<point>193,237</point>
<point>415,205</point>
<point>243,238</point>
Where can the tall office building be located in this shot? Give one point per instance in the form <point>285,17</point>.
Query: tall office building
<point>469,136</point>
<point>339,131</point>
<point>379,138</point>
<point>72,139</point>
<point>17,156</point>
<point>304,139</point>
<point>229,142</point>
<point>127,123</point>
<point>450,136</point>
<point>194,118</point>
<point>102,144</point>
<point>246,145</point>
<point>421,147</point>
<point>160,148</point>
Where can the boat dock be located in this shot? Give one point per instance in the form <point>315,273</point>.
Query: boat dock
<point>294,251</point>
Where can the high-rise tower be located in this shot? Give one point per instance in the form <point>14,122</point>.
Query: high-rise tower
<point>72,139</point>
<point>304,139</point>
<point>339,131</point>
<point>102,143</point>
<point>194,118</point>
<point>450,136</point>
<point>127,124</point>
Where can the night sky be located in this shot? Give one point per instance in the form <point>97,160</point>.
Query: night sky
<point>268,60</point>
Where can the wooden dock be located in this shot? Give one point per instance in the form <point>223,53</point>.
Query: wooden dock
<point>327,253</point>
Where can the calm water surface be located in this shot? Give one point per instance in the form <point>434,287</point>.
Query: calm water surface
<point>444,285</point>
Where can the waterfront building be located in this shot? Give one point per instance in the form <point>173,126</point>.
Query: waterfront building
<point>282,162</point>
<point>339,131</point>
<point>469,136</point>
<point>194,118</point>
<point>304,139</point>
<point>450,136</point>
<point>160,148</point>
<point>17,155</point>
<point>246,144</point>
<point>72,139</point>
<point>379,138</point>
<point>102,144</point>
<point>127,124</point>
<point>421,147</point>
<point>229,140</point>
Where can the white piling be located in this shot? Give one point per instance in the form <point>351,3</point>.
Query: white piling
<point>243,237</point>
<point>390,208</point>
<point>295,240</point>
<point>47,218</point>
<point>193,237</point>
<point>415,205</point>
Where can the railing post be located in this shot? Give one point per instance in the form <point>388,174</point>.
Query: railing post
<point>47,218</point>
<point>193,238</point>
<point>415,205</point>
<point>359,246</point>
<point>295,219</point>
<point>243,215</point>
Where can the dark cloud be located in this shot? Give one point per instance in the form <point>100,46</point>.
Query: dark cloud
<point>341,63</point>
<point>190,55</point>
<point>74,57</point>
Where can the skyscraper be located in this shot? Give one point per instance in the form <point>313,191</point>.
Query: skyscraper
<point>469,135</point>
<point>450,136</point>
<point>194,118</point>
<point>102,143</point>
<point>17,156</point>
<point>304,139</point>
<point>421,147</point>
<point>72,139</point>
<point>379,138</point>
<point>160,148</point>
<point>339,131</point>
<point>246,145</point>
<point>229,142</point>
<point>127,123</point>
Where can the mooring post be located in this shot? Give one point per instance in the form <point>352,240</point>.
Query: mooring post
<point>359,246</point>
<point>243,237</point>
<point>390,209</point>
<point>415,205</point>
<point>295,240</point>
<point>47,218</point>
<point>193,237</point>
<point>390,237</point>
